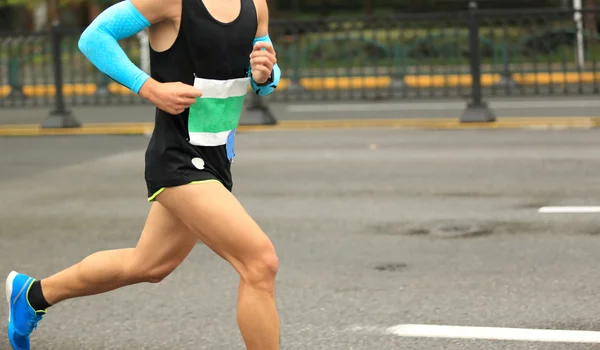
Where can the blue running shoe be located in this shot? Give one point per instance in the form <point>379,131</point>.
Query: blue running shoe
<point>22,318</point>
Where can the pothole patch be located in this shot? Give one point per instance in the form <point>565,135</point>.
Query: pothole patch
<point>480,229</point>
<point>418,231</point>
<point>399,229</point>
<point>391,267</point>
<point>458,230</point>
<point>461,231</point>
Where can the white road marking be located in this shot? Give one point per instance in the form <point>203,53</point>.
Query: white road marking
<point>569,210</point>
<point>489,333</point>
<point>412,106</point>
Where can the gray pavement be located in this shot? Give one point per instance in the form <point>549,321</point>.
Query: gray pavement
<point>452,108</point>
<point>374,228</point>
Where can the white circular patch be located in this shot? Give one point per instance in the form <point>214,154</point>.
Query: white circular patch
<point>198,163</point>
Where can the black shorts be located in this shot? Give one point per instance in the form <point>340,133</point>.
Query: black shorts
<point>172,161</point>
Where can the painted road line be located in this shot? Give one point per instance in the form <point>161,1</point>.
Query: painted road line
<point>93,129</point>
<point>437,106</point>
<point>569,210</point>
<point>440,123</point>
<point>489,333</point>
<point>410,124</point>
<point>89,129</point>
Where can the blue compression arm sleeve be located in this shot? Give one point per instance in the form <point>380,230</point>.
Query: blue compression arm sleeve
<point>265,90</point>
<point>99,43</point>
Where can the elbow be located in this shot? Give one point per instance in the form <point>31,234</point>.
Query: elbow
<point>85,43</point>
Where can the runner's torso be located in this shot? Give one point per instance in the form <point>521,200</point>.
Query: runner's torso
<point>214,57</point>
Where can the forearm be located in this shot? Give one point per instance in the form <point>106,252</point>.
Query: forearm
<point>99,43</point>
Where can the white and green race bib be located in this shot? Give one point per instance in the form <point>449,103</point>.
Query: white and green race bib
<point>216,114</point>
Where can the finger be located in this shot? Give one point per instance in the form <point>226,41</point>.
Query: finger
<point>261,61</point>
<point>261,69</point>
<point>262,53</point>
<point>265,54</point>
<point>263,66</point>
<point>261,72</point>
<point>266,46</point>
<point>190,91</point>
<point>184,103</point>
<point>187,101</point>
<point>262,45</point>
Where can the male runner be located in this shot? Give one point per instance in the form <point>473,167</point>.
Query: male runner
<point>204,55</point>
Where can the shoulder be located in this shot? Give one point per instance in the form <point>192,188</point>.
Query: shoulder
<point>159,11</point>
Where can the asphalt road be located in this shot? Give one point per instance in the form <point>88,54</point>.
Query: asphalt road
<point>374,228</point>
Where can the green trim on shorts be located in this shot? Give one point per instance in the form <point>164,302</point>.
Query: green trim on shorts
<point>151,199</point>
<point>204,181</point>
<point>156,194</point>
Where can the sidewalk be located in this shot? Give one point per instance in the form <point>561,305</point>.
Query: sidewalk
<point>415,109</point>
<point>529,113</point>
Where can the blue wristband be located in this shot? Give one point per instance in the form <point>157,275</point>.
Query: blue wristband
<point>265,89</point>
<point>99,43</point>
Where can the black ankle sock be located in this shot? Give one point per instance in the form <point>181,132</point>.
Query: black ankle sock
<point>36,297</point>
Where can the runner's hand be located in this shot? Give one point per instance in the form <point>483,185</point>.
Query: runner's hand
<point>173,98</point>
<point>262,60</point>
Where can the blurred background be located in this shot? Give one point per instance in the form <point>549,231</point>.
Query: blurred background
<point>404,169</point>
<point>338,50</point>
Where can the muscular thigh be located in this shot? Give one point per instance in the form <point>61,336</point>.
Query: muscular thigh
<point>219,220</point>
<point>165,241</point>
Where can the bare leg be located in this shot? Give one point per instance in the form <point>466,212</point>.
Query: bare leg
<point>165,242</point>
<point>220,221</point>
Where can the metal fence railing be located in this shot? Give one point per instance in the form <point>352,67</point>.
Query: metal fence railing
<point>27,71</point>
<point>406,56</point>
<point>541,52</point>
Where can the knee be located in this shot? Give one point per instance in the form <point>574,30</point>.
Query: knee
<point>260,271</point>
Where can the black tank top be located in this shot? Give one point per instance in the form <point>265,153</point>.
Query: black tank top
<point>214,57</point>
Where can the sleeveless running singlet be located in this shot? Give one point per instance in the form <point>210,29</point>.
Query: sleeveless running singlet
<point>197,145</point>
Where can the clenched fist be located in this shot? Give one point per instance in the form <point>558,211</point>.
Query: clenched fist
<point>173,98</point>
<point>262,60</point>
